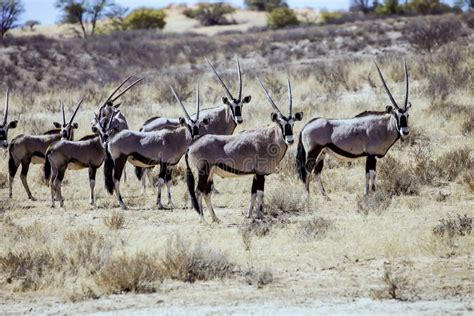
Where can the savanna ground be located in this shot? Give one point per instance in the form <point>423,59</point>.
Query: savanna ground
<point>406,248</point>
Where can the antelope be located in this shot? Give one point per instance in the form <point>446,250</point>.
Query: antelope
<point>148,149</point>
<point>254,152</point>
<point>88,152</point>
<point>370,134</point>
<point>222,120</point>
<point>5,126</point>
<point>26,149</point>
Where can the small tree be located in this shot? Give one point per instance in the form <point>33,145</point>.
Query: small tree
<point>281,17</point>
<point>10,11</point>
<point>83,12</point>
<point>425,7</point>
<point>31,24</point>
<point>265,5</point>
<point>427,34</point>
<point>146,18</point>
<point>361,5</point>
<point>117,15</point>
<point>389,7</point>
<point>210,13</point>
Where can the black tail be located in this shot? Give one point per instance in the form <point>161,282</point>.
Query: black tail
<point>47,166</point>
<point>301,160</point>
<point>12,168</point>
<point>108,172</point>
<point>191,185</point>
<point>139,172</point>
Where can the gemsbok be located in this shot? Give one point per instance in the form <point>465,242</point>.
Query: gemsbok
<point>148,149</point>
<point>254,152</point>
<point>26,149</point>
<point>370,134</point>
<point>222,120</point>
<point>87,152</point>
<point>5,126</point>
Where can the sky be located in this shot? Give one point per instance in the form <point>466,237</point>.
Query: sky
<point>45,12</point>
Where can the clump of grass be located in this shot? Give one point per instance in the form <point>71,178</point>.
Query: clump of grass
<point>289,202</point>
<point>468,179</point>
<point>314,229</point>
<point>375,202</point>
<point>116,221</point>
<point>468,125</point>
<point>139,274</point>
<point>453,226</point>
<point>189,264</point>
<point>259,278</point>
<point>257,228</point>
<point>454,162</point>
<point>396,178</point>
<point>394,283</point>
<point>3,180</point>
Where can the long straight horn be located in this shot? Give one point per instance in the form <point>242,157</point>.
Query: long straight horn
<point>115,91</point>
<point>269,97</point>
<point>75,111</point>
<point>290,97</point>
<point>181,103</point>
<point>63,114</point>
<point>406,84</point>
<point>386,88</point>
<point>5,111</point>
<point>220,80</point>
<point>127,88</point>
<point>197,102</point>
<point>240,78</point>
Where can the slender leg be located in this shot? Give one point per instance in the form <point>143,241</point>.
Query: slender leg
<point>60,179</point>
<point>253,195</point>
<point>260,194</point>
<point>25,165</point>
<point>311,163</point>
<point>54,174</point>
<point>370,173</point>
<point>143,180</point>
<point>92,173</point>
<point>159,184</point>
<point>12,168</point>
<point>318,169</point>
<point>118,169</point>
<point>169,184</point>
<point>204,188</point>
<point>207,198</point>
<point>125,173</point>
<point>149,175</point>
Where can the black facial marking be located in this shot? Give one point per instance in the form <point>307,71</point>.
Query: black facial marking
<point>288,130</point>
<point>238,111</point>
<point>3,135</point>
<point>403,121</point>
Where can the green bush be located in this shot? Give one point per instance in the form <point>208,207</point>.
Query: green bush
<point>330,17</point>
<point>389,7</point>
<point>265,5</point>
<point>425,7</point>
<point>145,18</point>
<point>281,17</point>
<point>210,13</point>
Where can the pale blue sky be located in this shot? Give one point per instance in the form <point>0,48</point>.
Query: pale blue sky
<point>45,12</point>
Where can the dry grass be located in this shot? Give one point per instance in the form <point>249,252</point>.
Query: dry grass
<point>396,178</point>
<point>314,229</point>
<point>115,221</point>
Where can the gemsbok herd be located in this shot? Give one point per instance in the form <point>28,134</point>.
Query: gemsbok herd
<point>206,141</point>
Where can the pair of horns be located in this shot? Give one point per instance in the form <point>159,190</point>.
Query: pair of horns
<point>184,108</point>
<point>239,73</point>
<point>272,103</point>
<point>112,97</point>
<point>405,104</point>
<point>73,115</point>
<point>5,111</point>
<point>109,123</point>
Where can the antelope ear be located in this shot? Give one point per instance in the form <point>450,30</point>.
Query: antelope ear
<point>274,117</point>
<point>225,100</point>
<point>408,106</point>
<point>117,105</point>
<point>388,108</point>
<point>57,125</point>
<point>75,125</point>
<point>13,124</point>
<point>247,99</point>
<point>182,121</point>
<point>205,121</point>
<point>298,116</point>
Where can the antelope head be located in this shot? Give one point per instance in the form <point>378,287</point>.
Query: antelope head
<point>67,128</point>
<point>401,114</point>
<point>192,125</point>
<point>109,107</point>
<point>104,127</point>
<point>235,103</point>
<point>4,125</point>
<point>284,122</point>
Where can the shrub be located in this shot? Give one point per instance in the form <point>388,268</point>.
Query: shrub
<point>314,229</point>
<point>428,34</point>
<point>265,5</point>
<point>115,221</point>
<point>396,178</point>
<point>390,7</point>
<point>451,227</point>
<point>453,163</point>
<point>258,228</point>
<point>375,202</point>
<point>425,7</point>
<point>210,13</point>
<point>3,180</point>
<point>145,18</point>
<point>291,201</point>
<point>281,17</point>
<point>469,19</point>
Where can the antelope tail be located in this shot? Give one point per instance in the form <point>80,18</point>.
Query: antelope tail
<point>191,186</point>
<point>301,160</point>
<point>139,172</point>
<point>47,166</point>
<point>12,168</point>
<point>108,171</point>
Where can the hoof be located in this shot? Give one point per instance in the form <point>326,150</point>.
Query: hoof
<point>160,206</point>
<point>32,198</point>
